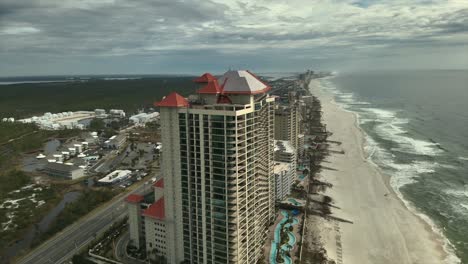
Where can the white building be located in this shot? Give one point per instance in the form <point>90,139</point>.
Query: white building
<point>283,179</point>
<point>116,141</point>
<point>70,172</point>
<point>118,113</point>
<point>115,177</point>
<point>143,118</point>
<point>64,120</point>
<point>222,140</point>
<point>287,124</point>
<point>285,152</point>
<point>100,113</point>
<point>147,225</point>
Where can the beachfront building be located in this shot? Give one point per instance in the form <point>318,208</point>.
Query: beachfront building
<point>300,146</point>
<point>146,218</point>
<point>155,225</point>
<point>287,123</point>
<point>283,179</point>
<point>285,152</point>
<point>218,173</point>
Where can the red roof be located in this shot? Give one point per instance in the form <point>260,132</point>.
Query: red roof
<point>159,184</point>
<point>134,198</point>
<point>173,100</point>
<point>211,88</point>
<point>155,210</point>
<point>207,77</point>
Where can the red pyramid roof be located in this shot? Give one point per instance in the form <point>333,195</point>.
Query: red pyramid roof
<point>207,77</point>
<point>134,198</point>
<point>159,184</point>
<point>156,210</point>
<point>211,88</point>
<point>173,100</point>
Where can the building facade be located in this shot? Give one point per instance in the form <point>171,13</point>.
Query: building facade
<point>61,170</point>
<point>284,179</point>
<point>285,152</point>
<point>218,172</point>
<point>287,124</point>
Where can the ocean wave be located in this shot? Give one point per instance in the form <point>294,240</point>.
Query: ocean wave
<point>391,128</point>
<point>465,206</point>
<point>463,158</point>
<point>403,174</point>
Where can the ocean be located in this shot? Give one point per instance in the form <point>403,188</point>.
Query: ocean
<point>416,126</point>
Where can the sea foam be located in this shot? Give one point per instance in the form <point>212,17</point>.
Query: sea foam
<point>401,174</point>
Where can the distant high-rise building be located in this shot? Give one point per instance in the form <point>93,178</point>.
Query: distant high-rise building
<point>285,152</point>
<point>217,164</point>
<point>287,124</point>
<point>283,179</point>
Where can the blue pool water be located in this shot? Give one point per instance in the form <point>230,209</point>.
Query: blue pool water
<point>286,247</point>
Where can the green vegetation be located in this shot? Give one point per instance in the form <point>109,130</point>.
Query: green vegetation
<point>97,124</point>
<point>25,210</point>
<point>13,130</point>
<point>23,100</point>
<point>89,200</point>
<point>12,180</point>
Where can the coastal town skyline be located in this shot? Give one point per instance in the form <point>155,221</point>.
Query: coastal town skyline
<point>141,37</point>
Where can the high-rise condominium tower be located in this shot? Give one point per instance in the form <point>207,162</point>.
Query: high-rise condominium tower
<point>217,164</point>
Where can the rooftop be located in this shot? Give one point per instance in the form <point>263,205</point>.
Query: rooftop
<point>284,146</point>
<point>242,82</point>
<point>134,198</point>
<point>211,88</point>
<point>281,166</point>
<point>173,100</point>
<point>115,176</point>
<point>61,167</point>
<point>207,77</point>
<point>156,210</point>
<point>159,184</point>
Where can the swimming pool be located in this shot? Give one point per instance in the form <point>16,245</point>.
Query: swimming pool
<point>277,237</point>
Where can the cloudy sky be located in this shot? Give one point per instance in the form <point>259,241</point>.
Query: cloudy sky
<point>39,37</point>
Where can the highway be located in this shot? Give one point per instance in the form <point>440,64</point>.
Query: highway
<point>71,240</point>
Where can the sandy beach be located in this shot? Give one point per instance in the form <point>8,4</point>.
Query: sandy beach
<point>372,225</point>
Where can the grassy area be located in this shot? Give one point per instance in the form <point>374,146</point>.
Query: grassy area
<point>12,180</point>
<point>26,203</point>
<point>23,100</point>
<point>26,210</point>
<point>13,130</point>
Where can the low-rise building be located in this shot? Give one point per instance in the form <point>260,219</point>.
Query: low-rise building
<point>143,118</point>
<point>115,177</point>
<point>146,217</point>
<point>117,113</point>
<point>66,171</point>
<point>116,141</point>
<point>100,113</point>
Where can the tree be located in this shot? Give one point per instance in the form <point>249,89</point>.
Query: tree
<point>97,124</point>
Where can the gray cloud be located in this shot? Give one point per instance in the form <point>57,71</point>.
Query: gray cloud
<point>69,33</point>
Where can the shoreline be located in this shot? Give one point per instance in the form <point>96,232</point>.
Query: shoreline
<point>411,240</point>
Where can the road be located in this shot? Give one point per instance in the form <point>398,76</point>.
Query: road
<point>67,243</point>
<point>121,250</point>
